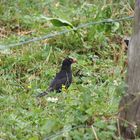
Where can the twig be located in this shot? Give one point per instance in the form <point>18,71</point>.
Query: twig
<point>118,126</point>
<point>94,132</point>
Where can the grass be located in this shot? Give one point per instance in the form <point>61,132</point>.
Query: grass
<point>98,77</point>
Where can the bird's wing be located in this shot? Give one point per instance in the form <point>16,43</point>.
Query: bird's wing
<point>62,78</point>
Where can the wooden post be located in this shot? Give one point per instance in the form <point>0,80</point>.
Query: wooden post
<point>129,116</point>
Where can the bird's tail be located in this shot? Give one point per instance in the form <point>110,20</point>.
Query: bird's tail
<point>42,94</point>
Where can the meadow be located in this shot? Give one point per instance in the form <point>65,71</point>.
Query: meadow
<point>88,109</point>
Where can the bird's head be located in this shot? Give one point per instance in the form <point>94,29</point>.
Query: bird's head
<point>67,62</point>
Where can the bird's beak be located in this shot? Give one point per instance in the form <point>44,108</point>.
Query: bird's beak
<point>74,60</point>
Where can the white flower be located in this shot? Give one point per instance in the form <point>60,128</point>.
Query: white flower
<point>52,99</point>
<point>115,82</point>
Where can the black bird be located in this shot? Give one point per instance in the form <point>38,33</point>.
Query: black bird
<point>64,77</point>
